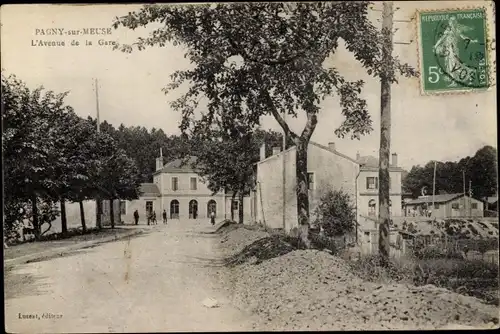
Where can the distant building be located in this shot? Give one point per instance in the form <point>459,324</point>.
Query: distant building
<point>327,169</point>
<point>178,189</point>
<point>445,205</point>
<point>369,184</point>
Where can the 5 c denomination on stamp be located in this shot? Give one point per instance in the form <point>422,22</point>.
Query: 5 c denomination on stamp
<point>453,50</point>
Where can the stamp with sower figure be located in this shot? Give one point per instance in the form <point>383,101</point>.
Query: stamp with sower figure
<point>453,50</point>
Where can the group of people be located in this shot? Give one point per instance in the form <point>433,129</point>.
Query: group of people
<point>151,216</point>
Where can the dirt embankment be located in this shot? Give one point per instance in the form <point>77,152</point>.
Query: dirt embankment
<point>313,290</point>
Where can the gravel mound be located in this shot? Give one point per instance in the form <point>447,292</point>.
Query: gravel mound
<point>236,237</point>
<point>260,250</point>
<point>313,290</point>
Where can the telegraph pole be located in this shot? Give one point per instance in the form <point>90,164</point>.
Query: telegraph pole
<point>463,174</point>
<point>284,175</point>
<point>98,199</point>
<point>434,186</point>
<point>385,132</point>
<point>470,198</point>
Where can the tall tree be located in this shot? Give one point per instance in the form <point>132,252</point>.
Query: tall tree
<point>254,59</point>
<point>226,159</point>
<point>31,120</point>
<point>118,179</point>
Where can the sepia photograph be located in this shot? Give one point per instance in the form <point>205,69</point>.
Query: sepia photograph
<point>249,166</point>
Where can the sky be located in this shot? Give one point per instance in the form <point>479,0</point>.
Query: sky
<point>424,128</point>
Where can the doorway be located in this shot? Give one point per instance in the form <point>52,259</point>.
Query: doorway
<point>149,207</point>
<point>174,209</point>
<point>211,207</point>
<point>193,209</point>
<point>235,209</point>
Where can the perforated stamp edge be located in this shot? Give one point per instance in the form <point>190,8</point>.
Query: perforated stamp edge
<point>489,58</point>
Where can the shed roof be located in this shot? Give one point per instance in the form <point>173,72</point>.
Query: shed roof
<point>149,189</point>
<point>443,198</point>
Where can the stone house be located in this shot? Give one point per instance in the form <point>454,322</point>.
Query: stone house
<point>369,183</point>
<point>327,169</point>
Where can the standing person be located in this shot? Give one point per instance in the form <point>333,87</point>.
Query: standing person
<point>154,218</point>
<point>164,216</point>
<point>136,216</point>
<point>149,217</point>
<point>212,218</point>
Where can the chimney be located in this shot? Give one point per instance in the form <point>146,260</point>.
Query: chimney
<point>262,153</point>
<point>159,161</point>
<point>394,160</point>
<point>358,156</point>
<point>331,146</point>
<point>276,150</point>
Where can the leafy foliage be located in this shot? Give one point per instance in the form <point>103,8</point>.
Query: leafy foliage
<point>226,160</point>
<point>481,170</point>
<point>51,154</point>
<point>336,213</point>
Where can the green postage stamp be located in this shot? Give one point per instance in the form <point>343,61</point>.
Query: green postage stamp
<point>453,50</point>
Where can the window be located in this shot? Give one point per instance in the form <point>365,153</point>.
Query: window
<point>310,181</point>
<point>473,206</point>
<point>235,205</point>
<point>372,182</point>
<point>149,207</point>
<point>436,206</point>
<point>193,183</point>
<point>455,206</point>
<point>123,207</point>
<point>372,207</point>
<point>175,183</point>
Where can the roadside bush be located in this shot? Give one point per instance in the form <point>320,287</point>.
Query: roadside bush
<point>469,277</point>
<point>370,269</point>
<point>436,253</point>
<point>335,213</point>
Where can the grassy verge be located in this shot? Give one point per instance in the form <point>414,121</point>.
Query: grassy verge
<point>468,277</point>
<point>57,241</point>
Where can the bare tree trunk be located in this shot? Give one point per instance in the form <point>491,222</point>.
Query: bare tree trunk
<point>36,225</point>
<point>112,213</point>
<point>232,202</point>
<point>64,221</point>
<point>119,212</point>
<point>98,221</point>
<point>82,217</point>
<point>302,192</point>
<point>385,137</point>
<point>240,211</point>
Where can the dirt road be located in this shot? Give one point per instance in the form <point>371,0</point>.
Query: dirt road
<point>154,282</point>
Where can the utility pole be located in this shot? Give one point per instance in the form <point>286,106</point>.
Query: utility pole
<point>284,175</point>
<point>470,198</point>
<point>434,186</point>
<point>385,132</point>
<point>98,199</point>
<point>463,173</point>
